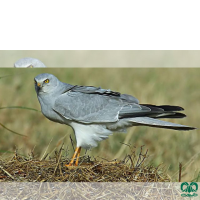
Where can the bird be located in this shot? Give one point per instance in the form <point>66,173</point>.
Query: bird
<point>29,63</point>
<point>95,113</point>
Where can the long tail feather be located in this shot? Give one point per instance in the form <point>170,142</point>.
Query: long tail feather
<point>147,121</point>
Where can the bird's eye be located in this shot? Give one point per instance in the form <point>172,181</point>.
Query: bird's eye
<point>46,81</point>
<point>35,82</point>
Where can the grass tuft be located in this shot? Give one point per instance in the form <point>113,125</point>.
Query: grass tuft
<point>133,168</point>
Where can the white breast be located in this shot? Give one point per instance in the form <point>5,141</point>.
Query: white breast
<point>87,136</point>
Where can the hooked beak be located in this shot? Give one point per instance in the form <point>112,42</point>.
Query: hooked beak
<point>38,87</point>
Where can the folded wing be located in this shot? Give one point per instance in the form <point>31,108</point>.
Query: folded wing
<point>96,105</point>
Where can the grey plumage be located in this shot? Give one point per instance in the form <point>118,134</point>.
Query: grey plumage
<point>95,113</point>
<point>29,63</point>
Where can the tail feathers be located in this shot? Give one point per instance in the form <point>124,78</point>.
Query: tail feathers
<point>147,121</point>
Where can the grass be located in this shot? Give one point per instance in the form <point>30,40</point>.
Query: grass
<point>154,86</point>
<point>133,168</point>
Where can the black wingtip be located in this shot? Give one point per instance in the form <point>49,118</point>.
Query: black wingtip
<point>173,115</point>
<point>167,108</point>
<point>171,108</point>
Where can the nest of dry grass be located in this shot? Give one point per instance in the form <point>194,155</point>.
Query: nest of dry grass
<point>132,168</point>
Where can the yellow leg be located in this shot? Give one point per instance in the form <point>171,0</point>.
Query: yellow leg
<point>76,155</point>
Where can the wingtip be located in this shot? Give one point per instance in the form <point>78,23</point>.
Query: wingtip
<point>172,108</point>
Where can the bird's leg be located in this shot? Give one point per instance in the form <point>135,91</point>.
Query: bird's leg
<point>76,155</point>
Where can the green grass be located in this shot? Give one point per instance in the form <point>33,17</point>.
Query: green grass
<point>155,86</point>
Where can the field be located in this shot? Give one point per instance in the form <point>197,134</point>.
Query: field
<point>174,86</point>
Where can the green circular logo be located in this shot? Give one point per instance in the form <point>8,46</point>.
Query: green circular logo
<point>186,187</point>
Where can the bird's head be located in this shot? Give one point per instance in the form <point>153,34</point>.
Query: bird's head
<point>28,63</point>
<point>45,83</point>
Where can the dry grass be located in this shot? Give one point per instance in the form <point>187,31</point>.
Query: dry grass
<point>156,86</point>
<point>90,190</point>
<point>133,168</point>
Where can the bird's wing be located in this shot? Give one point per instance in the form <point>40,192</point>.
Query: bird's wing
<point>90,104</point>
<point>99,90</point>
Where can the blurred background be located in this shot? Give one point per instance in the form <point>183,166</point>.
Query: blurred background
<point>174,86</point>
<point>108,58</point>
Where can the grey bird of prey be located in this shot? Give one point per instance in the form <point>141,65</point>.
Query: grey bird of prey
<point>96,113</point>
<point>29,63</point>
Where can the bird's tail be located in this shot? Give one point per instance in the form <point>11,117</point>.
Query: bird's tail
<point>147,121</point>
